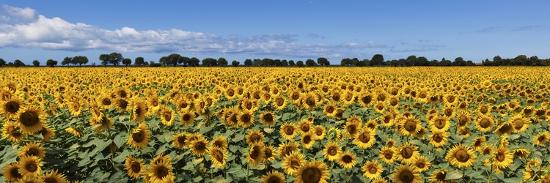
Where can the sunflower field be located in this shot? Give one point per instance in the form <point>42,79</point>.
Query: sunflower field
<point>303,125</point>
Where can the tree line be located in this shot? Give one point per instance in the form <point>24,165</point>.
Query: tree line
<point>116,59</point>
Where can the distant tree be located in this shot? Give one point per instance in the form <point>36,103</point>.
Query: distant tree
<point>51,63</point>
<point>235,63</point>
<point>2,62</point>
<point>79,60</point>
<point>445,62</point>
<point>323,61</point>
<point>173,59</point>
<point>422,61</point>
<point>222,61</point>
<point>66,61</point>
<point>194,62</point>
<point>104,59</point>
<point>248,62</point>
<point>520,60</point>
<point>18,63</point>
<point>300,63</point>
<point>209,62</point>
<point>346,62</point>
<point>291,63</point>
<point>284,63</point>
<point>127,61</point>
<point>139,61</point>
<point>36,63</point>
<point>310,62</point>
<point>115,58</point>
<point>377,59</point>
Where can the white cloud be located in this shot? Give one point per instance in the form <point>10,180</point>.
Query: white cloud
<point>24,28</point>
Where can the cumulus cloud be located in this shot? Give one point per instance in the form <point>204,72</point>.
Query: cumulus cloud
<point>25,28</point>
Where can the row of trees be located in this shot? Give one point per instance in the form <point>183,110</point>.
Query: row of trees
<point>116,59</point>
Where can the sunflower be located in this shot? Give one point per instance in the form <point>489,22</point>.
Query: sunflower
<point>408,153</point>
<point>439,138</point>
<point>32,149</point>
<point>439,176</point>
<point>134,167</point>
<point>101,122</point>
<point>519,124</point>
<point>286,149</point>
<point>30,165</point>
<point>267,118</point>
<point>256,154</point>
<point>315,171</point>
<point>180,140</point>
<point>220,141</point>
<point>139,137</point>
<point>273,177</point>
<point>187,117</point>
<point>11,132</point>
<point>504,129</point>
<point>352,126</point>
<point>199,147</point>
<point>121,104</point>
<point>161,172</point>
<point>10,107</point>
<point>484,123</point>
<point>254,136</point>
<point>269,153</point>
<point>347,160</point>
<point>502,158</point>
<point>406,174</point>
<point>167,116</point>
<point>47,133</point>
<point>31,120</point>
<point>439,123</point>
<point>54,177</point>
<point>541,139</point>
<point>463,118</point>
<point>305,126</point>
<point>218,157</point>
<point>246,119</point>
<point>139,110</point>
<point>288,131</point>
<point>388,154</point>
<point>422,163</point>
<point>309,101</point>
<point>12,173</point>
<point>279,103</point>
<point>387,119</point>
<point>365,138</point>
<point>372,170</point>
<point>329,110</point>
<point>409,126</point>
<point>319,132</point>
<point>293,162</point>
<point>72,131</point>
<point>461,156</point>
<point>104,101</point>
<point>308,140</point>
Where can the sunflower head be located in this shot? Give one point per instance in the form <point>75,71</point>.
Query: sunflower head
<point>293,162</point>
<point>218,156</point>
<point>461,156</point>
<point>267,118</point>
<point>12,173</point>
<point>347,160</point>
<point>160,171</point>
<point>134,167</point>
<point>288,131</point>
<point>12,132</point>
<point>254,136</point>
<point>372,170</point>
<point>199,147</point>
<point>30,165</point>
<point>311,172</point>
<point>32,149</point>
<point>31,120</point>
<point>273,177</point>
<point>139,137</point>
<point>54,177</point>
<point>220,141</point>
<point>406,174</point>
<point>10,107</point>
<point>256,154</point>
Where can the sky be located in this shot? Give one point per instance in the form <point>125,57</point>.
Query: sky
<point>282,29</point>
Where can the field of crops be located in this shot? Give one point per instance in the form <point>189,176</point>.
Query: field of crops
<point>458,124</point>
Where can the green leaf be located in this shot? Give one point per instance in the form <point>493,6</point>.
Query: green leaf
<point>120,139</point>
<point>453,175</point>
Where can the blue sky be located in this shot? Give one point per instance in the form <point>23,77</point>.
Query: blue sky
<point>290,29</point>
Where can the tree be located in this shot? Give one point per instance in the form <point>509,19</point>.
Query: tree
<point>209,62</point>
<point>222,61</point>
<point>345,62</point>
<point>291,63</point>
<point>377,59</point>
<point>18,63</point>
<point>173,59</point>
<point>115,58</point>
<point>104,59</point>
<point>139,61</point>
<point>36,63</point>
<point>323,61</point>
<point>66,61</point>
<point>2,62</point>
<point>235,63</point>
<point>51,63</point>
<point>194,61</point>
<point>127,61</point>
<point>79,60</point>
<point>310,62</point>
<point>300,63</point>
<point>248,62</point>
